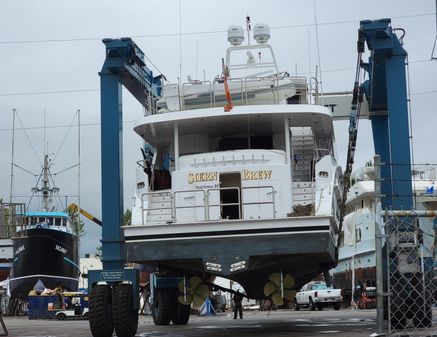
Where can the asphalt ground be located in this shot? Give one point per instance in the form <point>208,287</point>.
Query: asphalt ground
<point>328,322</point>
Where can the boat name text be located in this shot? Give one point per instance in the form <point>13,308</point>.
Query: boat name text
<point>61,249</point>
<point>202,176</point>
<point>20,249</point>
<point>256,175</point>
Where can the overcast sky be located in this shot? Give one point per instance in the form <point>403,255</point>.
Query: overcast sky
<point>51,52</point>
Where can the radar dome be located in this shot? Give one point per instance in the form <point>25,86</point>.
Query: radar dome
<point>235,35</point>
<point>261,33</point>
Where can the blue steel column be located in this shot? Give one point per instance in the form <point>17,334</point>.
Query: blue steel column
<point>399,128</point>
<point>387,93</point>
<point>112,170</point>
<point>381,142</point>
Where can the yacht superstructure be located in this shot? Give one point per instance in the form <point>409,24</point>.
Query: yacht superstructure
<point>246,190</point>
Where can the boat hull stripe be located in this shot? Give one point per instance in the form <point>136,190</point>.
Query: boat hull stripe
<point>266,231</point>
<point>42,275</point>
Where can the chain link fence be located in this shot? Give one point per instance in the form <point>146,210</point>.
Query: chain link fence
<point>410,275</point>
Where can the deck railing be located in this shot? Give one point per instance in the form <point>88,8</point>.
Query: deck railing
<point>211,93</point>
<point>174,201</point>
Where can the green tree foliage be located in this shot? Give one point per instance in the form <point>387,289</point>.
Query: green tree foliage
<point>127,217</point>
<point>76,222</point>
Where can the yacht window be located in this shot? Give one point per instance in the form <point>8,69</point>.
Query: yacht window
<point>293,99</point>
<point>227,144</point>
<point>261,142</point>
<point>357,234</point>
<point>242,143</point>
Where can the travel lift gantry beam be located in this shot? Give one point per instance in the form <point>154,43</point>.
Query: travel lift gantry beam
<point>114,290</point>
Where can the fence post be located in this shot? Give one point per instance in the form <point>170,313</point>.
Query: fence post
<point>378,249</point>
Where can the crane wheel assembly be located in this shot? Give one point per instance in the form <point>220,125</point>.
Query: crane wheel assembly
<point>124,317</point>
<point>100,307</point>
<point>181,314</point>
<point>163,305</point>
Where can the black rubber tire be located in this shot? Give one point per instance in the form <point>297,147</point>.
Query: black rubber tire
<point>422,317</point>
<point>319,307</point>
<point>312,305</point>
<point>125,317</point>
<point>100,311</point>
<point>181,314</point>
<point>61,316</point>
<point>337,306</point>
<point>163,306</point>
<point>296,305</point>
<point>400,308</point>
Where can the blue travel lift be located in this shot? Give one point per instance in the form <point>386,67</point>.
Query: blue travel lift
<point>114,300</point>
<point>386,93</point>
<point>114,290</point>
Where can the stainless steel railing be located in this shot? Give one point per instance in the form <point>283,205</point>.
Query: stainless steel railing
<point>174,201</point>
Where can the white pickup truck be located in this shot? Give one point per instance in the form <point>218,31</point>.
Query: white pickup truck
<point>317,295</point>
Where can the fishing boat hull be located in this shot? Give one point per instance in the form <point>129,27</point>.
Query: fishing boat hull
<point>47,255</point>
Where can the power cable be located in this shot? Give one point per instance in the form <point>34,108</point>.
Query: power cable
<point>62,126</point>
<point>97,90</point>
<point>204,32</point>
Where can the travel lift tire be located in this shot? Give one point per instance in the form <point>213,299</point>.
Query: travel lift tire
<point>100,309</point>
<point>163,306</point>
<point>124,316</point>
<point>181,314</point>
<point>422,312</point>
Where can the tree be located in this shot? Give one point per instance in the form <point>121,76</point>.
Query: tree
<point>127,217</point>
<point>76,223</point>
<point>99,251</point>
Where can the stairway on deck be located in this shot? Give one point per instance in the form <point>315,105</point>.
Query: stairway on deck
<point>302,143</point>
<point>159,209</point>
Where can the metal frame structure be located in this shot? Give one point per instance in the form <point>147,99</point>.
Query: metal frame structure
<point>386,92</point>
<point>124,65</point>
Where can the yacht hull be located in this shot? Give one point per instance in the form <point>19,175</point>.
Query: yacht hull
<point>244,251</point>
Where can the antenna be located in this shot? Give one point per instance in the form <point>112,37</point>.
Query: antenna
<point>12,155</point>
<point>318,50</point>
<point>249,28</point>
<point>44,132</point>
<point>196,61</point>
<point>180,40</point>
<point>78,166</point>
<point>435,40</point>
